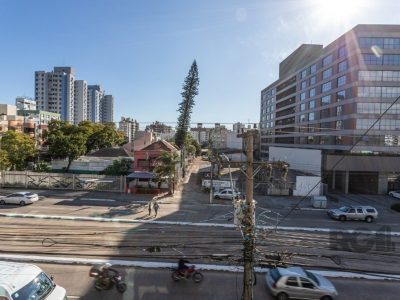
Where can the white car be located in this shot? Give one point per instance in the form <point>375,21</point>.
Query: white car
<point>226,194</point>
<point>20,198</point>
<point>395,194</point>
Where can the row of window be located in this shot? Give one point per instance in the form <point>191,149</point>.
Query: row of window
<point>378,108</point>
<point>378,91</point>
<point>386,59</point>
<point>327,86</point>
<point>379,75</point>
<point>327,60</point>
<point>383,124</point>
<point>386,43</point>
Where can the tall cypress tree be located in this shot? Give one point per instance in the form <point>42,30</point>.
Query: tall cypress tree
<point>189,90</point>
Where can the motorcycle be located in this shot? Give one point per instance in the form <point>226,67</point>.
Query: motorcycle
<point>196,276</point>
<point>106,278</point>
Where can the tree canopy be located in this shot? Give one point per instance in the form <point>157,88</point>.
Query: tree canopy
<point>189,90</point>
<point>166,168</point>
<point>17,148</point>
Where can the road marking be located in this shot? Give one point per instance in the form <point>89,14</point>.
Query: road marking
<point>224,225</point>
<point>166,265</point>
<point>95,199</point>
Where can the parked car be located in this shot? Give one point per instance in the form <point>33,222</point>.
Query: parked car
<point>20,198</point>
<point>297,283</point>
<point>361,213</point>
<point>26,281</point>
<point>226,194</point>
<point>395,194</point>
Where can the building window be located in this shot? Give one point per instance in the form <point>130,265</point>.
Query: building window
<point>313,68</point>
<point>391,43</point>
<point>327,73</point>
<point>303,85</point>
<point>339,124</point>
<point>326,100</point>
<point>303,74</point>
<point>326,87</point>
<point>341,95</point>
<point>312,92</point>
<point>311,116</point>
<point>341,80</point>
<point>342,66</point>
<point>391,59</point>
<point>370,75</point>
<point>368,42</point>
<point>339,110</point>
<point>327,60</point>
<point>390,92</point>
<point>390,75</point>
<point>342,52</point>
<point>369,91</point>
<point>371,59</point>
<point>313,80</point>
<point>312,104</point>
<point>302,107</point>
<point>302,118</point>
<point>302,96</point>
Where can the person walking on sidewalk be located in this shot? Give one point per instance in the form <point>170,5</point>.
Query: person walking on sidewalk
<point>156,207</point>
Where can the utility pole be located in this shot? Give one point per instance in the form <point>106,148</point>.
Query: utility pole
<point>248,222</point>
<point>211,182</point>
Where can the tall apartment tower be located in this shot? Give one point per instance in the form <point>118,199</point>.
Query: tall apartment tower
<point>326,98</point>
<point>129,126</point>
<point>107,109</point>
<point>54,91</point>
<point>95,95</point>
<point>80,99</point>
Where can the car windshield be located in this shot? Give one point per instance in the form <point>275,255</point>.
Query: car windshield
<point>312,277</point>
<point>29,194</point>
<point>275,274</point>
<point>344,209</point>
<point>38,289</point>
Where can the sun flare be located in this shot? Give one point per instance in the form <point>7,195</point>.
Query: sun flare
<point>337,11</point>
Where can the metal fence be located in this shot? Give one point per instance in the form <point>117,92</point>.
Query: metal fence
<point>84,182</point>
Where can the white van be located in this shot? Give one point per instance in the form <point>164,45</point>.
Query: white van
<point>20,281</point>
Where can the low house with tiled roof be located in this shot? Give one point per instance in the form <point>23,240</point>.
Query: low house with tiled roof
<point>145,159</point>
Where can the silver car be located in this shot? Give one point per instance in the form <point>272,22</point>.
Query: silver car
<point>20,198</point>
<point>361,213</point>
<point>226,194</point>
<point>297,283</point>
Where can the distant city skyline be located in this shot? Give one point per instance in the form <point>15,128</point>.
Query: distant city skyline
<point>141,51</point>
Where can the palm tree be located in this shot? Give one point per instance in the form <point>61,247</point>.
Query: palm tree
<point>166,168</point>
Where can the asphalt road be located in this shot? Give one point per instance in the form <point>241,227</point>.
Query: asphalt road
<point>149,284</point>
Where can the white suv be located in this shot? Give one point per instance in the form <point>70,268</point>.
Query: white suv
<point>362,213</point>
<point>227,194</point>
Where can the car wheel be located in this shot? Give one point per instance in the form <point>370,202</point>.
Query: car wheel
<point>282,296</point>
<point>2,202</point>
<point>22,203</point>
<point>216,197</point>
<point>326,298</point>
<point>342,218</point>
<point>369,219</point>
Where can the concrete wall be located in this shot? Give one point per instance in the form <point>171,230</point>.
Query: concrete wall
<point>306,160</point>
<point>307,186</point>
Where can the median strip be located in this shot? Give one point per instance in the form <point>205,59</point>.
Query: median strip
<point>223,225</point>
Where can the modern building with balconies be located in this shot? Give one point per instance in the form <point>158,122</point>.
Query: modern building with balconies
<point>341,99</point>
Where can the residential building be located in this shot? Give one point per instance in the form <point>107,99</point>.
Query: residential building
<point>142,139</point>
<point>107,109</point>
<point>129,126</point>
<point>23,103</point>
<point>146,158</point>
<point>219,136</point>
<point>200,134</point>
<point>159,127</point>
<point>10,121</point>
<point>95,95</point>
<point>81,103</point>
<point>54,91</point>
<point>339,99</point>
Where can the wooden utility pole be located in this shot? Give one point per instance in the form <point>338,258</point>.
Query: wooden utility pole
<point>248,221</point>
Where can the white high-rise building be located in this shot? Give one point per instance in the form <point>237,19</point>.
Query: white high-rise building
<point>129,126</point>
<point>107,109</point>
<point>54,91</point>
<point>95,95</point>
<point>81,103</point>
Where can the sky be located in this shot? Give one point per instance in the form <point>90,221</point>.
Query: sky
<point>141,51</point>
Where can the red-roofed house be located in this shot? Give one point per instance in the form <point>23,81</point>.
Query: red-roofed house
<point>145,159</point>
